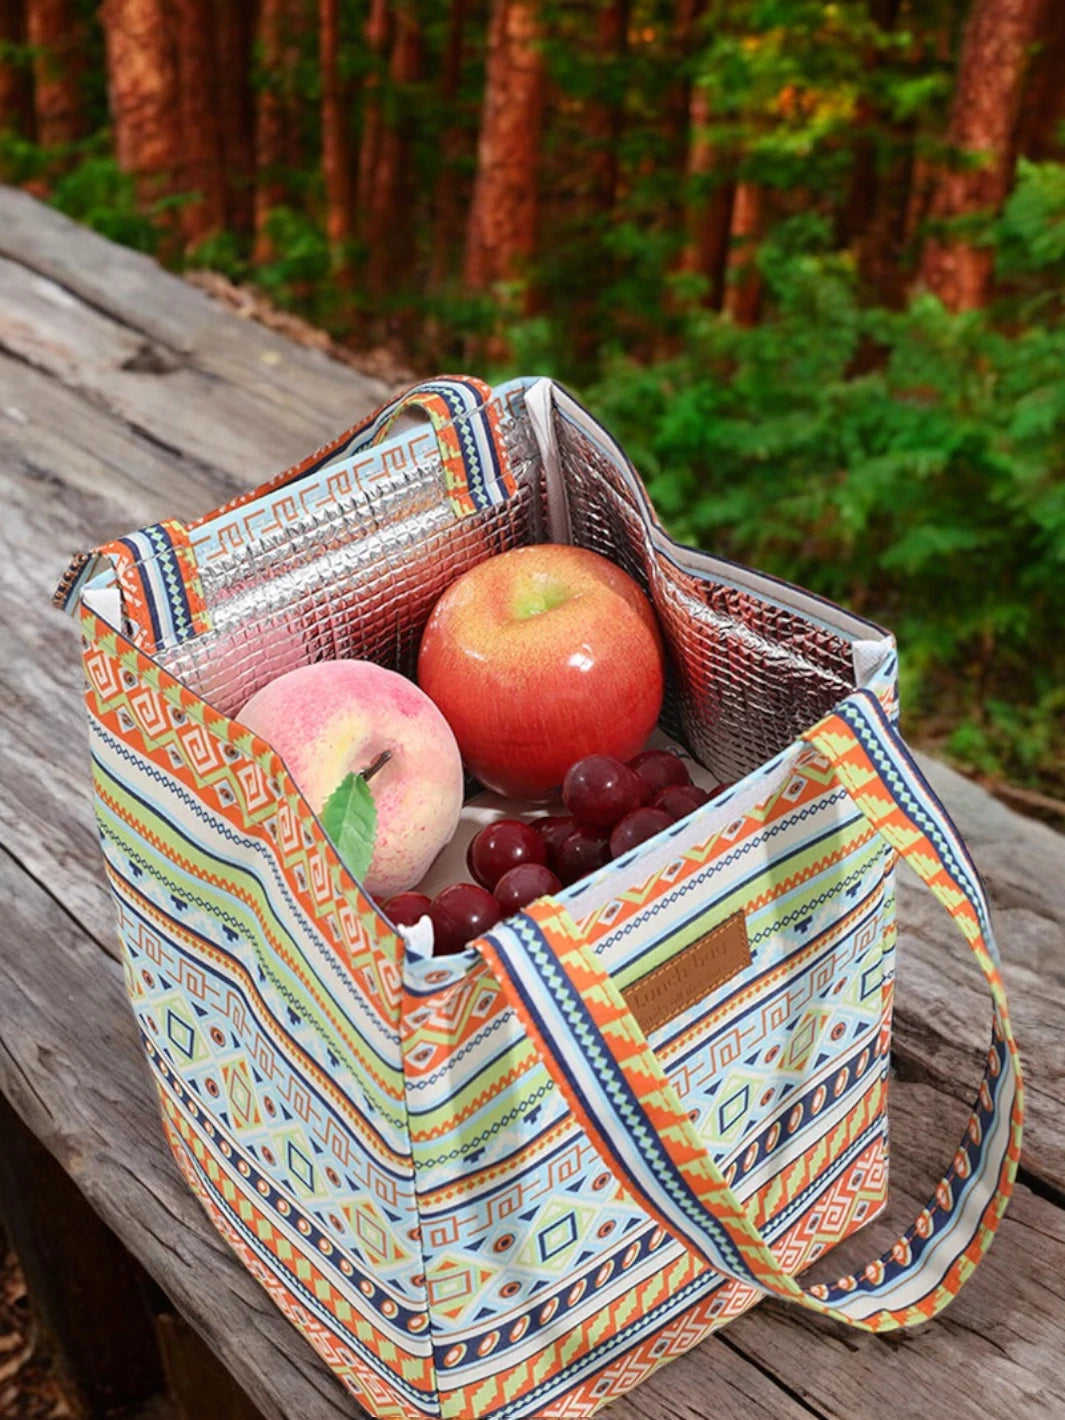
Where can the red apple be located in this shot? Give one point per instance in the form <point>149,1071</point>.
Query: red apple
<point>539,657</point>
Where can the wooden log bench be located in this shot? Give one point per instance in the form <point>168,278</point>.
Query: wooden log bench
<point>125,396</point>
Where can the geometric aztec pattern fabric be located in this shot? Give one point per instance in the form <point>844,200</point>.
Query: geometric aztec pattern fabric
<point>472,1182</point>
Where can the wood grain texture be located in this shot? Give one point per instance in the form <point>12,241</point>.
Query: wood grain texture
<point>997,1345</point>
<point>133,290</point>
<point>103,362</point>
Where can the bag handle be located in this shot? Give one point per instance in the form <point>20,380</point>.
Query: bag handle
<point>156,570</point>
<point>598,1056</point>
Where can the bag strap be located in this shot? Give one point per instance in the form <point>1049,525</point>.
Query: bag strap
<point>466,422</point>
<point>162,596</point>
<point>598,1056</point>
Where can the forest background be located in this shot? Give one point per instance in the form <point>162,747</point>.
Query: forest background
<point>806,259</point>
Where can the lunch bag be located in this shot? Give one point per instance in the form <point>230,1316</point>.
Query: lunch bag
<point>516,1180</point>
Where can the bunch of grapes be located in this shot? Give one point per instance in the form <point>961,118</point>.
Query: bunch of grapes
<point>611,807</point>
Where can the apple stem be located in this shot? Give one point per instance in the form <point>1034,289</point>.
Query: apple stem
<point>379,763</point>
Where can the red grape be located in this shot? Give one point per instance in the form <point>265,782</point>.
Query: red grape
<point>502,845</point>
<point>586,849</point>
<point>524,884</point>
<point>599,789</point>
<point>660,768</point>
<point>460,913</point>
<point>634,828</point>
<point>406,908</point>
<point>679,800</point>
<point>553,829</point>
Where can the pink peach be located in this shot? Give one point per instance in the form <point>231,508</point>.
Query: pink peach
<point>335,717</point>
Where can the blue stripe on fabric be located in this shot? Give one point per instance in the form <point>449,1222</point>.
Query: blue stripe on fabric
<point>292,1282</point>
<point>741,887</point>
<point>597,1061</point>
<point>232,982</point>
<point>945,1224</point>
<point>131,544</point>
<point>606,1352</point>
<point>575,1020</point>
<point>472,1083</point>
<point>470,428</point>
<point>857,1085</point>
<point>886,749</point>
<point>292,910</point>
<point>176,592</point>
<point>185,883</point>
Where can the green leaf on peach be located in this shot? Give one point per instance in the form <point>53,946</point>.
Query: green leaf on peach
<point>350,819</point>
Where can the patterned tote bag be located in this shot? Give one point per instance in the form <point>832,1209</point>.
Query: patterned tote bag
<point>515,1180</point>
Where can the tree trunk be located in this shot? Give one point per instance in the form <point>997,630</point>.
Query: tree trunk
<point>53,29</point>
<point>377,32</point>
<point>987,100</point>
<point>881,249</point>
<point>861,202</point>
<point>16,91</point>
<point>677,117</point>
<point>872,221</point>
<point>390,225</point>
<point>709,183</point>
<point>604,117</point>
<point>710,203</point>
<point>448,205</point>
<point>1043,113</point>
<point>300,31</point>
<point>336,148</point>
<point>235,33</point>
<point>142,92</point>
<point>503,214</point>
<point>269,124</point>
<point>202,170</point>
<point>743,288</point>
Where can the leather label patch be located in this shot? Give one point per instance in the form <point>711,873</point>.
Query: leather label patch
<point>693,973</point>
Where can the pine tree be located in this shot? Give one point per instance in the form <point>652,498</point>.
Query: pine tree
<point>448,202</point>
<point>376,35</point>
<point>202,170</point>
<point>712,192</point>
<point>1041,136</point>
<point>54,31</point>
<point>502,228</point>
<point>987,99</point>
<point>390,221</point>
<point>234,36</point>
<point>16,92</point>
<point>336,146</point>
<point>604,115</point>
<point>743,286</point>
<point>142,92</point>
<point>269,123</point>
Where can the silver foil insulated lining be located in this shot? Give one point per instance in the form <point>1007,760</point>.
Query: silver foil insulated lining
<point>359,577</point>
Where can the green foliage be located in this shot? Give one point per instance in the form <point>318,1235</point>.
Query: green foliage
<point>225,252</point>
<point>298,274</point>
<point>1014,741</point>
<point>925,492</point>
<point>1031,230</point>
<point>98,193</point>
<point>21,160</point>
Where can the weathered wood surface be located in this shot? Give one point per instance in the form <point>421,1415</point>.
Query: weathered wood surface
<point>126,396</point>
